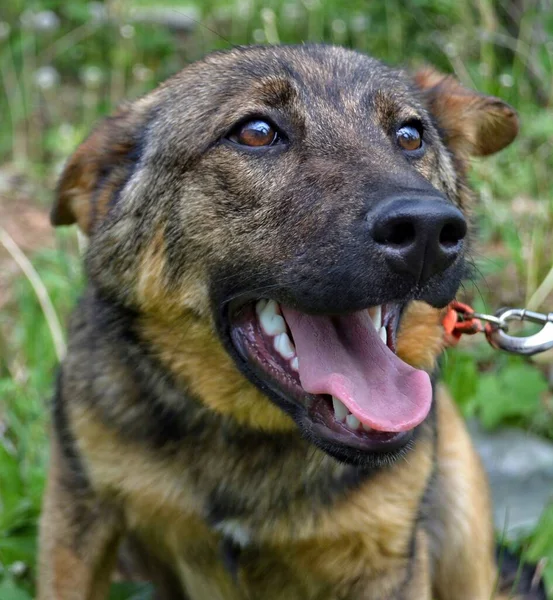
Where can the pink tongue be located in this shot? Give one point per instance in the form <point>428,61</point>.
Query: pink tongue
<point>345,357</point>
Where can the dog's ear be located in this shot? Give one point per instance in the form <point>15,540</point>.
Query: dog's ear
<point>98,169</point>
<point>472,123</point>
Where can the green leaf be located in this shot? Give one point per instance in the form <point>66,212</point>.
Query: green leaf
<point>459,371</point>
<point>9,590</point>
<point>541,546</point>
<point>18,548</point>
<point>509,396</point>
<point>131,591</point>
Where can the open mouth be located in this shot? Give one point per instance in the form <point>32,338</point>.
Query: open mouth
<point>341,371</point>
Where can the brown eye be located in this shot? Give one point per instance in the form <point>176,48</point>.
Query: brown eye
<point>409,138</point>
<point>255,133</point>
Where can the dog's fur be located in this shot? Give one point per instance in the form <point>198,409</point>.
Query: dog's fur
<point>160,437</point>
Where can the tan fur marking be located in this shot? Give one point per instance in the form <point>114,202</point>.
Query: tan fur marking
<point>78,186</point>
<point>191,351</point>
<point>70,569</point>
<point>420,339</point>
<point>152,293</point>
<point>194,355</point>
<point>78,200</point>
<point>474,124</point>
<point>421,584</point>
<point>465,568</point>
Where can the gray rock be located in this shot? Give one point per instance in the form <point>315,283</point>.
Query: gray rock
<point>520,469</point>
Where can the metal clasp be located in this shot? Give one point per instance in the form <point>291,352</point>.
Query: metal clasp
<point>497,331</point>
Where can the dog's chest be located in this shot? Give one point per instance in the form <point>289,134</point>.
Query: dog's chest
<point>353,567</point>
<point>360,547</point>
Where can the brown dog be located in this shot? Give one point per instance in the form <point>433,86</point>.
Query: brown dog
<point>274,233</point>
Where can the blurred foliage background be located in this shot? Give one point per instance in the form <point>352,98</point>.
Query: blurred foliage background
<point>65,64</point>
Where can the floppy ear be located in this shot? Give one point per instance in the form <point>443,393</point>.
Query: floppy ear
<point>473,124</point>
<point>98,169</point>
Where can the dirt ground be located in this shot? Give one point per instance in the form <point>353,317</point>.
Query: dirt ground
<point>25,220</point>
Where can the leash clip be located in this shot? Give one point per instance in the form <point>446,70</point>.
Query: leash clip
<point>461,319</point>
<point>497,331</point>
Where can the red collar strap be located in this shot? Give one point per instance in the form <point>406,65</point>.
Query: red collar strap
<point>460,320</point>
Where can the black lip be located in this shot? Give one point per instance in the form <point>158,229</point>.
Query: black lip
<point>350,448</point>
<point>393,441</point>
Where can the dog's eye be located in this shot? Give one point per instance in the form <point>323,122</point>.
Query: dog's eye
<point>254,133</point>
<point>409,137</point>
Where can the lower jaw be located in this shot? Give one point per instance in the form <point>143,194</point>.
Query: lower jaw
<point>366,450</point>
<point>368,457</point>
<point>389,442</point>
<point>323,424</point>
<point>315,419</point>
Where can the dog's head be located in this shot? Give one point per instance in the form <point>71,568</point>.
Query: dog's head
<point>299,213</point>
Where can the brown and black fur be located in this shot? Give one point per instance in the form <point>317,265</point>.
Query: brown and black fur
<point>161,440</point>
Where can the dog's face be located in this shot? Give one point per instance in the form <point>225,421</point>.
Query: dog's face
<point>281,210</point>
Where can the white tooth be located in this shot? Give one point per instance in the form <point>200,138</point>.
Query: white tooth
<point>284,346</point>
<point>270,319</point>
<point>353,422</point>
<point>383,335</point>
<point>272,324</point>
<point>272,307</point>
<point>295,363</point>
<point>340,410</point>
<point>367,427</point>
<point>260,306</point>
<point>377,318</point>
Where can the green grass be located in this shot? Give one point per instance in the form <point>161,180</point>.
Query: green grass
<point>57,80</point>
<point>27,366</point>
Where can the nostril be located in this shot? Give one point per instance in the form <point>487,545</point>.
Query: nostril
<point>398,233</point>
<point>452,233</point>
<point>402,234</point>
<point>448,236</point>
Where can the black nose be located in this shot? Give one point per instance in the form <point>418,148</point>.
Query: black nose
<point>421,237</point>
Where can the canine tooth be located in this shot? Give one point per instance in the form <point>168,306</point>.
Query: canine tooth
<point>260,306</point>
<point>367,427</point>
<point>271,321</point>
<point>284,346</point>
<point>295,363</point>
<point>383,335</point>
<point>353,422</point>
<point>340,410</point>
<point>377,318</point>
<point>272,307</point>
